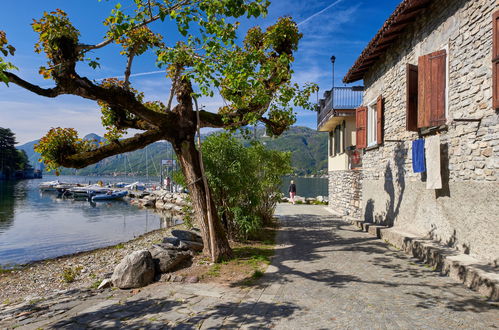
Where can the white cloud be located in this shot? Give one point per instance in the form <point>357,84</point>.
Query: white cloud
<point>30,120</point>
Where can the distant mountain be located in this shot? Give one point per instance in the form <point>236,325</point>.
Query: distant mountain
<point>308,148</point>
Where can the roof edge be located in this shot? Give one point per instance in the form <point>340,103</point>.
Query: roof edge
<point>405,13</point>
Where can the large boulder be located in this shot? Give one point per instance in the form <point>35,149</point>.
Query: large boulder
<point>186,235</point>
<point>134,271</point>
<point>166,259</point>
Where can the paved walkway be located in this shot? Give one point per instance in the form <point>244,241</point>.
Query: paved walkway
<point>326,275</point>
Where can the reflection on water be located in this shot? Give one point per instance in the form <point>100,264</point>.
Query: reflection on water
<point>35,226</point>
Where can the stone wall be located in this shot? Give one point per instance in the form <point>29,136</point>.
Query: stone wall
<point>461,214</point>
<point>345,192</point>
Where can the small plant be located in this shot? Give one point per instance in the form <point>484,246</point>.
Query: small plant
<point>119,246</point>
<point>187,218</point>
<point>69,274</point>
<point>95,284</point>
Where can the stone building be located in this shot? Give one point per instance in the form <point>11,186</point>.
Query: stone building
<point>337,116</point>
<point>431,71</point>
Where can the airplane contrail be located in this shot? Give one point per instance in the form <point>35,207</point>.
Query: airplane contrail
<point>162,71</point>
<point>319,12</point>
<point>135,74</point>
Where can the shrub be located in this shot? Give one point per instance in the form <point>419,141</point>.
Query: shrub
<point>245,182</point>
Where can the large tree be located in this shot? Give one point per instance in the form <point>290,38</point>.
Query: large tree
<point>252,76</point>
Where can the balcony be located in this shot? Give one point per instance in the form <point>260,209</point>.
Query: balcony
<point>341,101</point>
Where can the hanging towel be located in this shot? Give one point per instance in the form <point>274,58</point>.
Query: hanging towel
<point>418,161</point>
<point>432,148</point>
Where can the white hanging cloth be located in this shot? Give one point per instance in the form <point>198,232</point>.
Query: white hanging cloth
<point>433,171</point>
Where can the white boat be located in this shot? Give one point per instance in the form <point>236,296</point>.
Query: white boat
<point>49,185</point>
<point>136,186</point>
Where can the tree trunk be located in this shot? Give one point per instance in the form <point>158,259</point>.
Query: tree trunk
<point>189,160</point>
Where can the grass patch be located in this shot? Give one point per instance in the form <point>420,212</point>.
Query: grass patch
<point>5,269</point>
<point>119,246</point>
<point>251,259</point>
<point>95,284</point>
<point>69,275</point>
<point>214,270</point>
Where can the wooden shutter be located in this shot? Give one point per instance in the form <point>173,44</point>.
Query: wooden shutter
<point>495,60</point>
<point>411,112</point>
<point>361,125</point>
<point>379,120</point>
<point>431,89</point>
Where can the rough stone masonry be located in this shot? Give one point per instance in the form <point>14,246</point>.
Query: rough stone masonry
<point>465,213</point>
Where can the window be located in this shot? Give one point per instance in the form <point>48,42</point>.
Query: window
<point>331,143</point>
<point>426,91</point>
<point>371,124</point>
<point>336,140</point>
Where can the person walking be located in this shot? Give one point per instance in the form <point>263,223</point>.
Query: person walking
<point>292,192</point>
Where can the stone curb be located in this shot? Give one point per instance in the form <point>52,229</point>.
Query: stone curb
<point>475,274</point>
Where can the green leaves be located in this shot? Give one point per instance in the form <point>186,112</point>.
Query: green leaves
<point>6,49</point>
<point>60,143</point>
<point>57,39</point>
<point>245,181</point>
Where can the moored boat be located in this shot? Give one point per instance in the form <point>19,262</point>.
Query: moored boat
<point>111,195</point>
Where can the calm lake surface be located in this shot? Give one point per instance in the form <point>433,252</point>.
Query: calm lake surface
<point>306,187</point>
<point>35,225</point>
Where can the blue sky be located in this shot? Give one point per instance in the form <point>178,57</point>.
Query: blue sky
<point>332,27</point>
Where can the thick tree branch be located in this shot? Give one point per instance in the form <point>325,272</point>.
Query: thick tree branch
<point>47,92</point>
<point>138,141</point>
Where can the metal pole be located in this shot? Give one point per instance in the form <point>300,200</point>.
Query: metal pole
<point>211,229</point>
<point>333,59</point>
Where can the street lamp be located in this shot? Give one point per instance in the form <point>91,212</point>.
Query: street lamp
<point>333,59</point>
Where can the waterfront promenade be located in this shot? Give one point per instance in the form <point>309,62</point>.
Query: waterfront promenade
<point>326,274</point>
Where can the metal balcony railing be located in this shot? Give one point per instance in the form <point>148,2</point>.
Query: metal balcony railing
<point>339,98</point>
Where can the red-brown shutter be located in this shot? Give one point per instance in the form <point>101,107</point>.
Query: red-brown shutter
<point>423,92</point>
<point>495,60</point>
<point>411,113</point>
<point>379,120</point>
<point>361,124</point>
<point>431,89</point>
<point>438,62</point>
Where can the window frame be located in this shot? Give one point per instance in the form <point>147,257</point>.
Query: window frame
<point>371,124</point>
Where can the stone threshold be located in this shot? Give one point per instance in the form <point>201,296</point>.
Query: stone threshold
<point>473,273</point>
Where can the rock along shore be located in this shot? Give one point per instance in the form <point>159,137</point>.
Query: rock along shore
<point>83,270</point>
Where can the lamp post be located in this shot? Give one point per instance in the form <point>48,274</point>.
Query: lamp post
<point>333,59</point>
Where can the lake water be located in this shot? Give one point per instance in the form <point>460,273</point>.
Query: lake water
<point>306,187</point>
<point>35,225</point>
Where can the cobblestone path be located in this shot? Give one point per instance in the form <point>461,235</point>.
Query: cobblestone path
<point>326,275</point>
<point>334,276</point>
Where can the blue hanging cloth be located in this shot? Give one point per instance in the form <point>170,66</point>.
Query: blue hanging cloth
<point>418,158</point>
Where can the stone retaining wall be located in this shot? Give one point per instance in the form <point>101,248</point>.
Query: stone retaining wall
<point>345,192</point>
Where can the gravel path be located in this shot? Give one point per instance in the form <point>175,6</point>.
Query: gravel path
<point>326,275</point>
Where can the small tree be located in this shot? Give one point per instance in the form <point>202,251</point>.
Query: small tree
<point>245,181</point>
<point>254,78</point>
<point>8,153</point>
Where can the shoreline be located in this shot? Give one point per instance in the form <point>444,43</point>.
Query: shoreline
<point>79,270</point>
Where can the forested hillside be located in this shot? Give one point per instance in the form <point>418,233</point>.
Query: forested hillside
<point>308,148</point>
